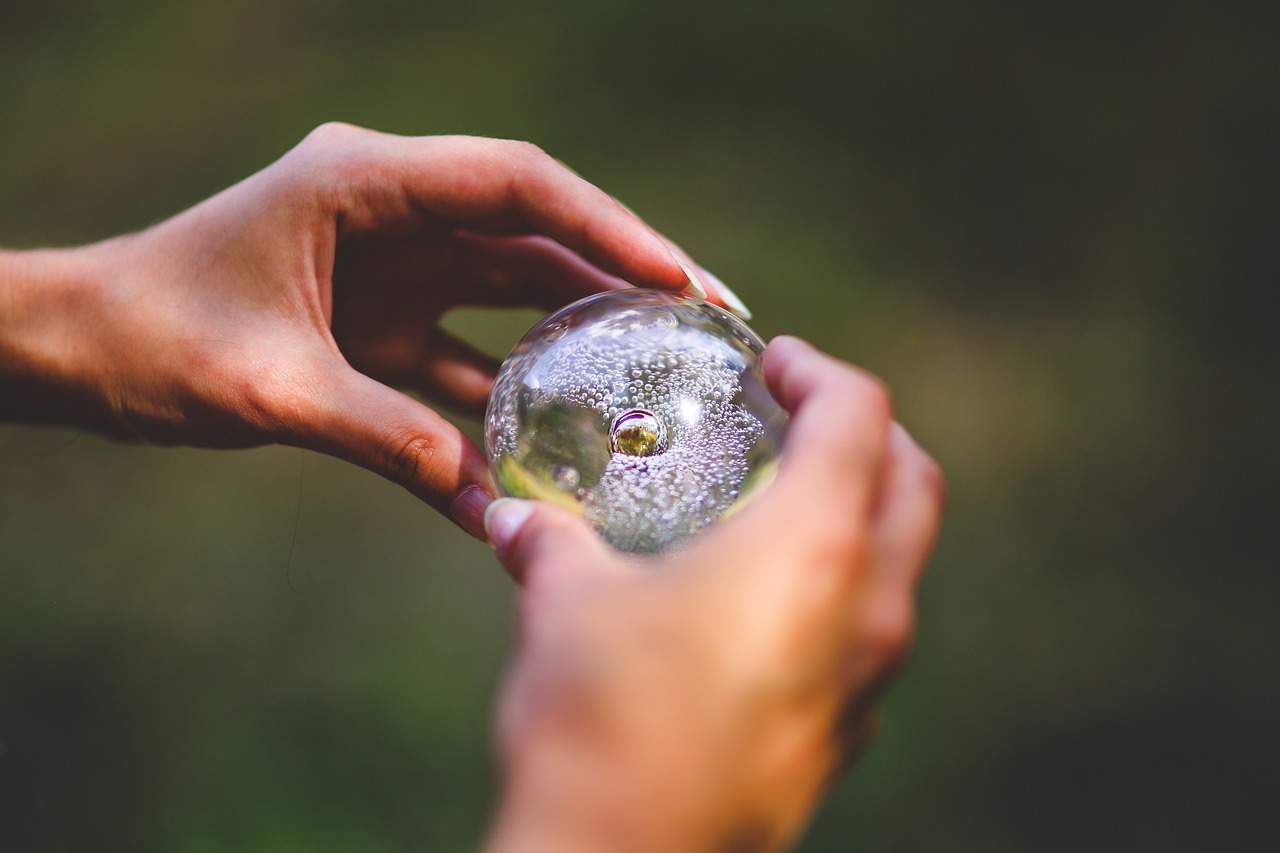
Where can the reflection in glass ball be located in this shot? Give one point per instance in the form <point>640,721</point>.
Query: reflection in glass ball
<point>644,411</point>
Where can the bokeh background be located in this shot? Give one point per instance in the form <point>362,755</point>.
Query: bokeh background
<point>1051,227</point>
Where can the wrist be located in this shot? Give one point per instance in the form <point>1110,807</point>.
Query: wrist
<point>575,797</point>
<point>568,802</point>
<point>48,304</point>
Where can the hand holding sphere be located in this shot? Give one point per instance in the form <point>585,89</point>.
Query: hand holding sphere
<point>679,709</point>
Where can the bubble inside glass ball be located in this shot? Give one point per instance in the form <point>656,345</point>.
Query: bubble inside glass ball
<point>636,432</point>
<point>644,411</point>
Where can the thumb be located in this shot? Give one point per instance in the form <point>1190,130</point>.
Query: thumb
<point>363,421</point>
<point>541,544</point>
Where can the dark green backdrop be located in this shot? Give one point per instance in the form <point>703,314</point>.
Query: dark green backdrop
<point>1050,228</point>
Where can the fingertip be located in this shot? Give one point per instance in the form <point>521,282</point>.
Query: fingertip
<point>503,520</point>
<point>694,284</point>
<point>470,508</point>
<point>780,357</point>
<point>785,347</point>
<point>795,371</point>
<point>538,542</point>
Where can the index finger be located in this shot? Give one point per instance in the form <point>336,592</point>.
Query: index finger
<point>835,450</point>
<point>492,185</point>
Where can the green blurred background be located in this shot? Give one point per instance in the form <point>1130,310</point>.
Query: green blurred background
<point>1049,226</point>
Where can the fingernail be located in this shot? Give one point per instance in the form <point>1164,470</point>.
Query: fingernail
<point>468,510</point>
<point>731,300</point>
<point>694,283</point>
<point>503,520</point>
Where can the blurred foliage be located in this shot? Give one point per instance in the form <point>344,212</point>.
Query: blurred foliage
<point>1049,227</point>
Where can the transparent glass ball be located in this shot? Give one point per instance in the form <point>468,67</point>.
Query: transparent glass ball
<point>644,411</point>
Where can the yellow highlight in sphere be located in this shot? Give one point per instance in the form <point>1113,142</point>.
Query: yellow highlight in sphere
<point>637,433</point>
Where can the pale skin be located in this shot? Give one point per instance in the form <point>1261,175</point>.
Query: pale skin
<point>727,686</point>
<point>701,704</point>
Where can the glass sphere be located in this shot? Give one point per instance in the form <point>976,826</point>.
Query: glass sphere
<point>644,411</point>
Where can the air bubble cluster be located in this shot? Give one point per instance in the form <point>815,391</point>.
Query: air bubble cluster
<point>644,411</point>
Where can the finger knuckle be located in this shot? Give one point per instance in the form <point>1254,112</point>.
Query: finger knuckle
<point>273,397</point>
<point>871,394</point>
<point>520,151</point>
<point>334,151</point>
<point>527,166</point>
<point>408,459</point>
<point>887,634</point>
<point>329,134</point>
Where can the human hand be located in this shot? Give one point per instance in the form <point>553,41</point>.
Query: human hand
<point>704,702</point>
<point>288,307</point>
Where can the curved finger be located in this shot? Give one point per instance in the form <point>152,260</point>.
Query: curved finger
<point>491,185</point>
<point>908,512</point>
<point>835,446</point>
<point>817,511</point>
<point>520,272</point>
